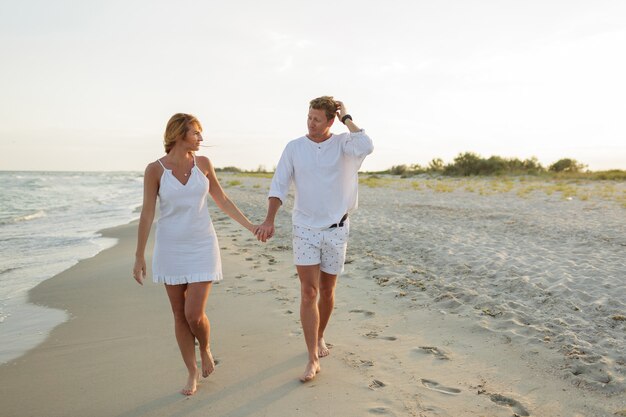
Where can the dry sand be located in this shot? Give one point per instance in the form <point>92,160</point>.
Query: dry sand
<point>406,342</point>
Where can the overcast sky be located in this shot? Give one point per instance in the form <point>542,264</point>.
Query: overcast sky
<point>89,85</point>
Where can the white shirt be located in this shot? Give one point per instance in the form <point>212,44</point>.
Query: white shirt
<point>325,176</point>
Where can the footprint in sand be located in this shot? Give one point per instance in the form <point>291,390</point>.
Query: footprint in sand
<point>510,402</point>
<point>436,386</point>
<point>365,312</point>
<point>433,350</point>
<point>379,410</point>
<point>374,335</point>
<point>270,259</point>
<point>375,384</point>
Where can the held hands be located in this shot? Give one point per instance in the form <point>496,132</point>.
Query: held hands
<point>139,270</point>
<point>264,231</point>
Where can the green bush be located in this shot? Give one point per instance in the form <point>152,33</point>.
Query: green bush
<point>567,165</point>
<point>436,165</point>
<point>398,170</point>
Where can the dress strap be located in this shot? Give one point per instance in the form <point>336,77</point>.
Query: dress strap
<point>194,159</point>
<point>159,161</point>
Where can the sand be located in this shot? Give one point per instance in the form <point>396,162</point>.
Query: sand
<point>407,338</point>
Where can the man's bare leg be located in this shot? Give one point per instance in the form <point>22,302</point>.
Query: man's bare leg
<point>325,305</point>
<point>309,316</point>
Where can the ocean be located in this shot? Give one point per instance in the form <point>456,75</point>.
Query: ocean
<point>48,222</point>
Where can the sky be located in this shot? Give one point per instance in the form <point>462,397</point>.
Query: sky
<point>90,85</point>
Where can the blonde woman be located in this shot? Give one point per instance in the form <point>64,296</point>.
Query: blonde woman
<point>186,252</point>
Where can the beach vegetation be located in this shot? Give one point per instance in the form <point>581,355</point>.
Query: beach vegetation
<point>471,164</point>
<point>254,174</point>
<point>468,164</point>
<point>443,187</point>
<point>375,181</point>
<point>469,188</point>
<point>611,175</point>
<point>398,169</point>
<point>567,191</point>
<point>405,171</point>
<point>501,186</point>
<point>228,169</point>
<point>526,190</point>
<point>436,165</point>
<point>567,165</point>
<point>560,185</point>
<point>233,183</point>
<point>259,172</point>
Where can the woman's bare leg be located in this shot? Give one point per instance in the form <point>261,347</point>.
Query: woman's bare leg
<point>197,295</point>
<point>184,335</point>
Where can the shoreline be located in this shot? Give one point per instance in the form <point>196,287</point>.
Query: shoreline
<point>47,231</point>
<point>37,321</point>
<point>391,355</point>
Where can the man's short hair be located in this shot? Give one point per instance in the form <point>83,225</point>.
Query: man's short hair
<point>325,103</point>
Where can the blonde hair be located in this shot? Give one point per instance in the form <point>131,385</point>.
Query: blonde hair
<point>326,103</point>
<point>177,127</point>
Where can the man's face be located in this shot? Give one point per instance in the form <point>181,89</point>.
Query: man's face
<point>318,124</point>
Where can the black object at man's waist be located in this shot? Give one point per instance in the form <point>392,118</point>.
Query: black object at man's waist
<point>340,224</point>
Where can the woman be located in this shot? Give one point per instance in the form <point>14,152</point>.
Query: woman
<point>186,253</point>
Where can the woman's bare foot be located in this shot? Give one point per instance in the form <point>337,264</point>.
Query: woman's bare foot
<point>192,383</point>
<point>312,368</point>
<point>208,364</point>
<point>322,349</point>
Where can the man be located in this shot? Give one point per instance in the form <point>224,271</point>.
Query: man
<point>324,168</point>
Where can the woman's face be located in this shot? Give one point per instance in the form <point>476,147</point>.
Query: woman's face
<point>193,138</point>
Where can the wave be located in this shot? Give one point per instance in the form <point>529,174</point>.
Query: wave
<point>32,216</point>
<point>4,271</point>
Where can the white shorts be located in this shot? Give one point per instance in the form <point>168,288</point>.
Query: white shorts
<point>326,247</point>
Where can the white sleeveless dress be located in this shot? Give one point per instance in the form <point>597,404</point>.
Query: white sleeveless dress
<point>186,248</point>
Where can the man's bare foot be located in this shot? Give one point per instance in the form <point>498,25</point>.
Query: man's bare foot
<point>312,368</point>
<point>208,364</point>
<point>322,349</point>
<point>192,383</point>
